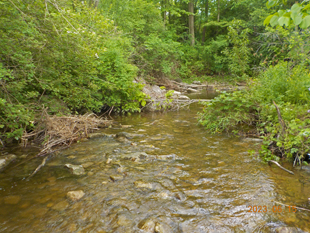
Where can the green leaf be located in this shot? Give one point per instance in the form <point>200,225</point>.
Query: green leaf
<point>297,18</point>
<point>307,6</point>
<point>296,8</point>
<point>274,20</point>
<point>1,126</point>
<point>271,3</point>
<point>284,21</point>
<point>281,13</point>
<point>267,20</point>
<point>305,22</point>
<point>143,103</point>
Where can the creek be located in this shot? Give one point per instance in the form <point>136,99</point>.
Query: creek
<point>161,173</point>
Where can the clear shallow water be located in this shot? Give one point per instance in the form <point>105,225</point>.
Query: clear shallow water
<point>207,185</point>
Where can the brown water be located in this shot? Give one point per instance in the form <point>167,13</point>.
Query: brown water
<point>206,184</point>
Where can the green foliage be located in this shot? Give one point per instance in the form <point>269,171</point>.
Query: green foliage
<point>62,53</point>
<point>295,141</point>
<point>239,55</point>
<point>15,119</point>
<point>227,112</point>
<point>297,15</point>
<point>213,56</point>
<point>282,84</point>
<point>155,50</point>
<point>289,88</point>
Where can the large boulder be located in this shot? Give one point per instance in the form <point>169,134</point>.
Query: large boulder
<point>154,92</point>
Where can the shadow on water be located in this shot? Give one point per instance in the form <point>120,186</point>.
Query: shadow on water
<point>162,172</point>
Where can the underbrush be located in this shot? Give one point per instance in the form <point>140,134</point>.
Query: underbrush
<point>61,54</point>
<point>276,104</point>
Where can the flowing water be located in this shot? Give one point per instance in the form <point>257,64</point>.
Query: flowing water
<point>161,173</point>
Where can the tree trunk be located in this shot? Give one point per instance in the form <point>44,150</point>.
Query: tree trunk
<point>218,10</point>
<point>191,22</point>
<point>94,3</point>
<point>163,6</point>
<point>203,39</point>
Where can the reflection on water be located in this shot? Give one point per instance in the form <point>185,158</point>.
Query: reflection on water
<point>185,181</point>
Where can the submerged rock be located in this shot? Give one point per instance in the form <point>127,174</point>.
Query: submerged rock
<point>286,230</point>
<point>152,225</point>
<point>88,164</point>
<point>60,206</point>
<point>143,185</point>
<point>167,184</point>
<point>164,195</point>
<point>75,195</point>
<point>12,200</point>
<point>124,220</point>
<point>147,225</point>
<point>115,178</point>
<point>97,135</point>
<point>162,228</point>
<point>6,160</point>
<point>137,156</point>
<point>123,135</point>
<point>72,227</point>
<point>147,186</point>
<point>109,160</point>
<point>76,169</point>
<point>180,196</point>
<point>166,157</point>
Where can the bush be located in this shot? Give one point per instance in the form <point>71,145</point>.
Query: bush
<point>63,52</point>
<point>228,112</point>
<point>238,55</point>
<point>288,136</point>
<point>282,84</point>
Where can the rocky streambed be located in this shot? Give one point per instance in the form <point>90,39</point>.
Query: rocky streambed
<point>154,172</point>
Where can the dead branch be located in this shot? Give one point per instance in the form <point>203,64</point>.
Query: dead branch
<point>59,132</point>
<point>38,168</point>
<point>276,163</point>
<point>281,121</point>
<point>292,206</point>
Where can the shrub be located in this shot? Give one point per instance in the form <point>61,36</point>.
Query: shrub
<point>289,88</point>
<point>63,52</point>
<point>282,84</point>
<point>228,112</point>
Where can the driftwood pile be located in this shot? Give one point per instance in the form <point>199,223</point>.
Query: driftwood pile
<point>58,132</point>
